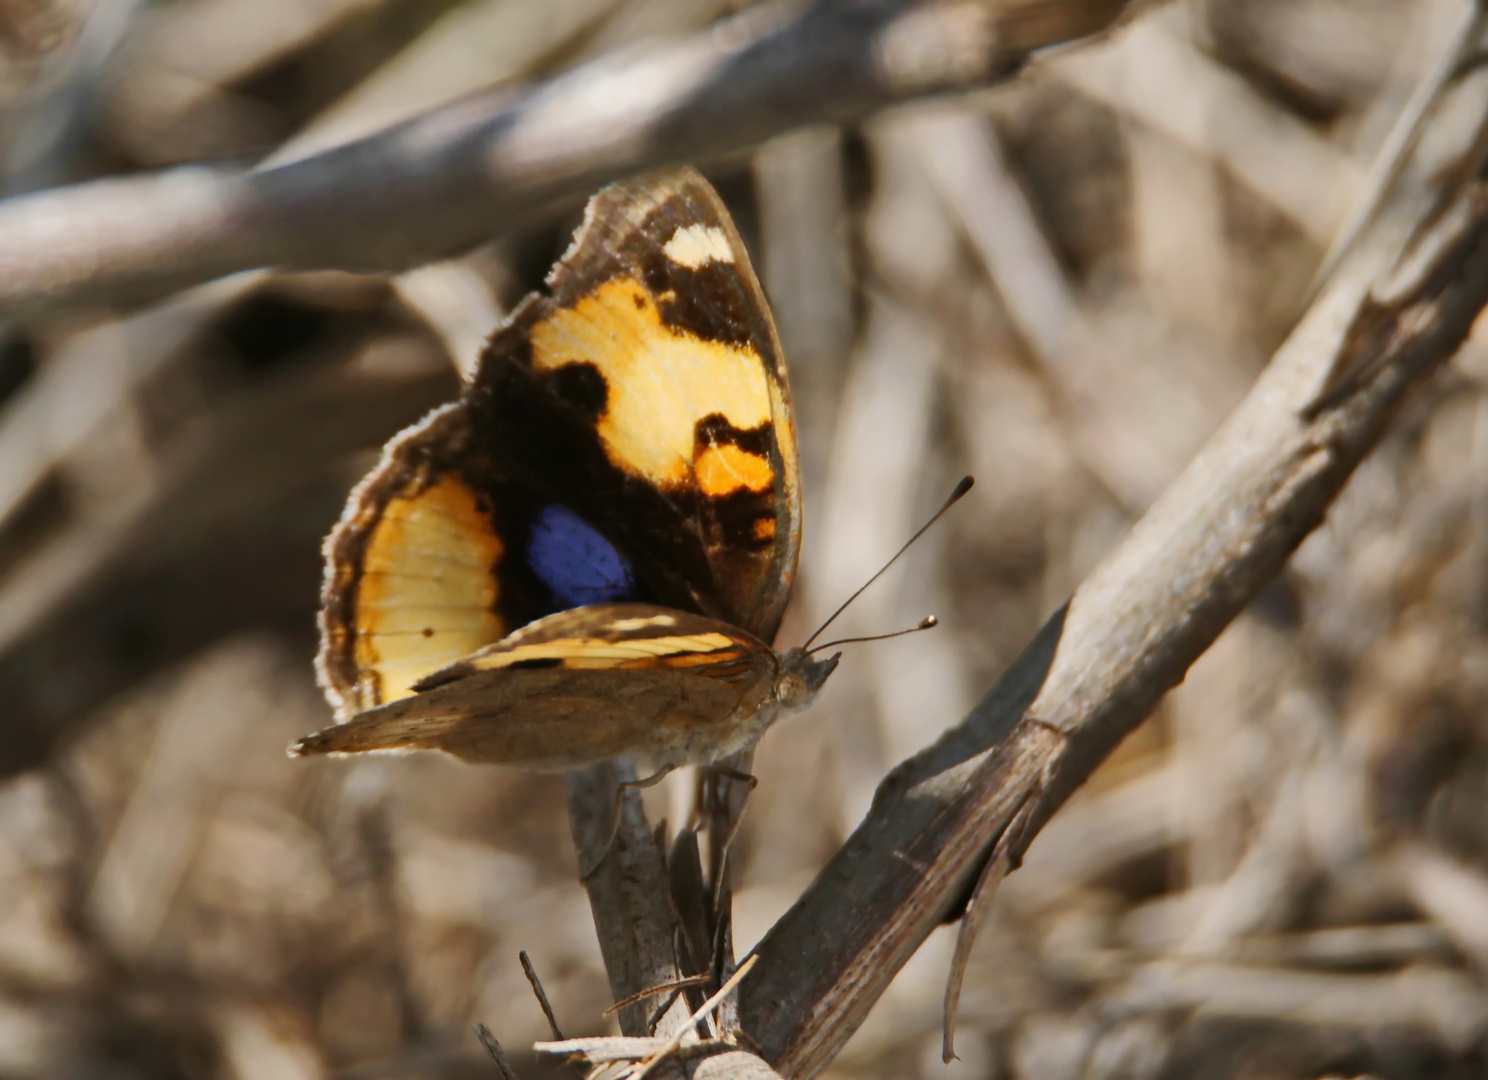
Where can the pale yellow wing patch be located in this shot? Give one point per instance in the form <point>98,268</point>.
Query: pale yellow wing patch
<point>661,381</point>
<point>683,650</point>
<point>696,245</point>
<point>427,591</point>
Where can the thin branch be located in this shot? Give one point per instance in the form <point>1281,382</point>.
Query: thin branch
<point>642,995</point>
<point>542,1001</point>
<point>452,177</point>
<point>1401,303</point>
<point>493,1048</point>
<point>540,994</point>
<point>1402,137</point>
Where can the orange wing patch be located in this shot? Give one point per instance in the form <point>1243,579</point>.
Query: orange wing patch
<point>427,592</point>
<point>723,470</point>
<point>661,381</point>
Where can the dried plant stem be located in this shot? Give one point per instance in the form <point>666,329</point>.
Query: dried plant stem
<point>542,1000</point>
<point>634,915</point>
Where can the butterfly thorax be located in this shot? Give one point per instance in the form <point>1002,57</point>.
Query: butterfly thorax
<point>797,681</point>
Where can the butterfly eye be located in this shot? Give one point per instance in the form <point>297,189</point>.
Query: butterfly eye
<point>791,690</point>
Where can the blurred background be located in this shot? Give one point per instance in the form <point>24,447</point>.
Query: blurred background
<point>1060,285</point>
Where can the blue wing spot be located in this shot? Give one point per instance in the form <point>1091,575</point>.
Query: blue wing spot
<point>578,564</point>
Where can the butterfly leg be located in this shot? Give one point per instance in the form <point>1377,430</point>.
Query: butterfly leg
<point>736,775</point>
<point>732,821</point>
<point>625,785</point>
<point>741,778</point>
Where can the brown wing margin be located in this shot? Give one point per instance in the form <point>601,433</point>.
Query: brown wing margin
<point>648,393</point>
<point>426,565</point>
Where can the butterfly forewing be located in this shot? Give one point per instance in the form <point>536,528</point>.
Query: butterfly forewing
<point>649,391</point>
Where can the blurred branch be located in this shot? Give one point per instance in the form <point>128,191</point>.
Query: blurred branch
<point>1155,77</point>
<point>135,587</point>
<point>1401,303</point>
<point>55,127</point>
<point>452,177</point>
<point>1403,135</point>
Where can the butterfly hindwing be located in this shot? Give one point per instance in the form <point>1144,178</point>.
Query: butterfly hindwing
<point>439,555</point>
<point>627,437</point>
<point>600,681</point>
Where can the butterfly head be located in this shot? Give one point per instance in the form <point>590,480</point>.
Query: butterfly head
<point>801,678</point>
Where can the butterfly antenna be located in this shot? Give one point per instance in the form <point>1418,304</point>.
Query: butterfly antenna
<point>924,624</point>
<point>961,489</point>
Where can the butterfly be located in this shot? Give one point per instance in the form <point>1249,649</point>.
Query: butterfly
<point>588,554</point>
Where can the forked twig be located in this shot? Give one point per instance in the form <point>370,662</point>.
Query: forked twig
<point>1401,302</point>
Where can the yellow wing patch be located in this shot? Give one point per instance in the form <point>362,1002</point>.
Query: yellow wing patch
<point>785,439</point>
<point>428,589</point>
<point>684,650</point>
<point>622,625</point>
<point>661,381</point>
